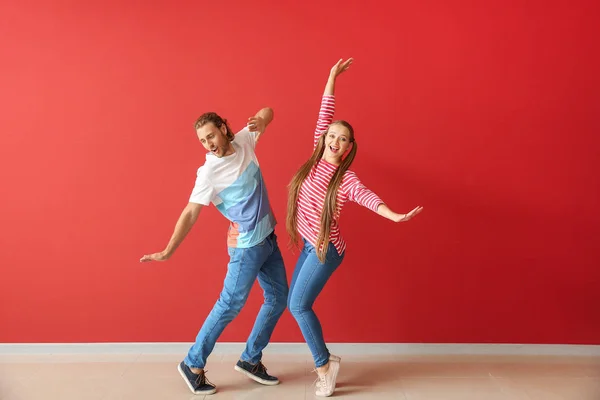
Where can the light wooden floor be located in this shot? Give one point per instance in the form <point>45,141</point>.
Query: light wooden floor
<point>149,377</point>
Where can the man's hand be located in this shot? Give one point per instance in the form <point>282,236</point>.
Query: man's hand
<point>257,124</point>
<point>186,220</point>
<point>162,256</point>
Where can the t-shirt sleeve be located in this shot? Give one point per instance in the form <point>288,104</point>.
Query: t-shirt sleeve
<point>245,136</point>
<point>203,192</point>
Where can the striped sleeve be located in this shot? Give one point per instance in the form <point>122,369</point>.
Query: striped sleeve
<point>325,116</point>
<point>358,193</point>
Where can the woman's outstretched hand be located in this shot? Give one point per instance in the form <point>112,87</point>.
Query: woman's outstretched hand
<point>340,67</point>
<point>409,216</point>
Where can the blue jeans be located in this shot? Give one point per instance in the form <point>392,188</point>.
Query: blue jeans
<point>309,279</point>
<point>245,265</point>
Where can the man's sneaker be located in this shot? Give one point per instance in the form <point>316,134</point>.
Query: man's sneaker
<point>258,372</point>
<point>331,358</point>
<point>197,383</point>
<point>326,385</point>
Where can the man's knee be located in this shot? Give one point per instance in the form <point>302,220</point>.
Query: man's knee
<point>231,306</point>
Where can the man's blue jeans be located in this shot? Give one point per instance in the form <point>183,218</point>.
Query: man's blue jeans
<point>264,262</point>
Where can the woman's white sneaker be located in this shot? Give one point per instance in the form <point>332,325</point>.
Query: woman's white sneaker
<point>335,358</point>
<point>326,385</point>
<point>331,358</point>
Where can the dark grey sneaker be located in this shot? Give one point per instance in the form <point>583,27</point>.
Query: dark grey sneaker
<point>197,383</point>
<point>257,372</point>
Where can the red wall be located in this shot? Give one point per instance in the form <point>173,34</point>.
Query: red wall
<point>485,114</point>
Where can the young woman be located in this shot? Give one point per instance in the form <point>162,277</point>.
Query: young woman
<point>317,194</point>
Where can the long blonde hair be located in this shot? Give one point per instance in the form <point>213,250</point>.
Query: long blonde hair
<point>330,204</point>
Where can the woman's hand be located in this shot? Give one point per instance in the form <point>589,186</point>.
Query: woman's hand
<point>340,67</point>
<point>409,216</point>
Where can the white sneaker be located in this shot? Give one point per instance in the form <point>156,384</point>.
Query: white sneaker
<point>331,358</point>
<point>326,385</point>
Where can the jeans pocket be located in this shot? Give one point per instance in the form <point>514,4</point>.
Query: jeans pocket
<point>307,247</point>
<point>333,253</point>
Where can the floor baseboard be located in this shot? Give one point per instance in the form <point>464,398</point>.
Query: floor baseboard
<point>301,348</point>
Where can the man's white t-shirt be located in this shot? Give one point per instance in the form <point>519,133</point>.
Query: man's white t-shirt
<point>235,185</point>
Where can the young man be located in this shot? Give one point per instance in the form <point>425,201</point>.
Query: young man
<point>231,179</point>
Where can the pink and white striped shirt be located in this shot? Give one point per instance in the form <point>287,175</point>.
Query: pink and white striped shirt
<point>314,188</point>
